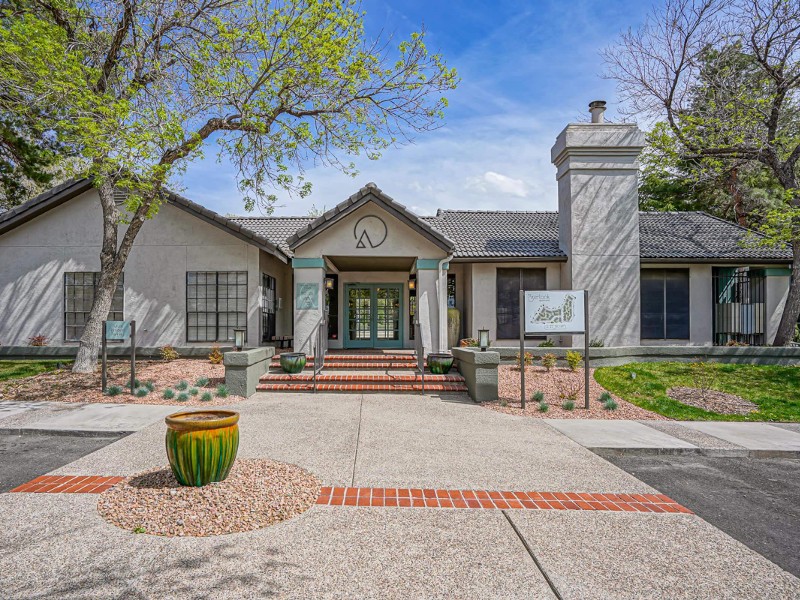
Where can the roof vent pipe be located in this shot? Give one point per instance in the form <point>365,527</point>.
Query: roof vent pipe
<point>597,108</point>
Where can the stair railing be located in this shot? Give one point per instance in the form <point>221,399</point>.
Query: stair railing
<point>320,348</point>
<point>419,349</point>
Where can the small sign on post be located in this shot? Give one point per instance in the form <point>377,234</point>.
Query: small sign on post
<point>548,312</point>
<point>119,331</point>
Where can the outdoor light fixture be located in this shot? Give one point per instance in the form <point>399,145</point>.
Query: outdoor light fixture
<point>483,339</point>
<point>238,339</point>
<point>412,284</point>
<point>329,283</point>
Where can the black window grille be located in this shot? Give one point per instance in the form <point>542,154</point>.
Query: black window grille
<point>268,307</point>
<point>79,288</point>
<point>509,283</point>
<point>451,290</point>
<point>664,304</point>
<point>332,307</point>
<point>740,313</point>
<point>216,304</point>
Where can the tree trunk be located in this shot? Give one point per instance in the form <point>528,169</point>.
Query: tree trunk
<point>791,310</point>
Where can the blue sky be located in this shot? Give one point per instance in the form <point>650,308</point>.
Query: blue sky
<point>527,68</point>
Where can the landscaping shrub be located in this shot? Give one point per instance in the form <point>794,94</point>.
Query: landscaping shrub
<point>538,396</point>
<point>182,397</point>
<point>141,392</point>
<point>39,340</point>
<point>150,385</point>
<point>207,397</point>
<point>168,353</point>
<point>222,391</point>
<point>568,405</point>
<point>610,404</point>
<point>202,382</point>
<point>168,394</point>
<point>574,359</point>
<point>114,390</point>
<point>136,384</point>
<point>549,361</point>
<point>528,359</point>
<point>182,385</point>
<point>543,407</point>
<point>194,392</point>
<point>547,344</point>
<point>216,355</point>
<point>604,397</point>
<point>468,343</point>
<point>596,343</point>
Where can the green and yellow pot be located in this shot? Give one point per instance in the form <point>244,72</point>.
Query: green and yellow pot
<point>440,364</point>
<point>293,362</point>
<point>202,445</point>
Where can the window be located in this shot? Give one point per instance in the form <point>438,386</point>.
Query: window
<point>332,306</point>
<point>78,298</point>
<point>509,283</point>
<point>216,303</point>
<point>665,304</point>
<point>412,308</point>
<point>451,290</point>
<point>268,306</point>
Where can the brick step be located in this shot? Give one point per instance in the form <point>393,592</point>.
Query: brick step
<point>329,364</point>
<point>361,377</point>
<point>361,387</point>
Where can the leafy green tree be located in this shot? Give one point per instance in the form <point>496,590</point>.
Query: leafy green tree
<point>139,88</point>
<point>724,77</point>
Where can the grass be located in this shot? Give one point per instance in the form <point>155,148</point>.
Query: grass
<point>17,369</point>
<point>776,390</point>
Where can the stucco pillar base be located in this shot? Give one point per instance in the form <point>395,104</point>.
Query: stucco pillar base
<point>244,369</point>
<point>480,372</point>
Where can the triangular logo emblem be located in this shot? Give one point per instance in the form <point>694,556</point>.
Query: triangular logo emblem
<point>361,243</point>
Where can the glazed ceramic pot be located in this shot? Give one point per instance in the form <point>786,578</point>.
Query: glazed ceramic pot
<point>293,362</point>
<point>440,364</point>
<point>202,445</point>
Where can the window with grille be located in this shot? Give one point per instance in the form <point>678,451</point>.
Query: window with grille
<point>79,290</point>
<point>268,307</point>
<point>509,283</point>
<point>665,304</point>
<point>216,304</point>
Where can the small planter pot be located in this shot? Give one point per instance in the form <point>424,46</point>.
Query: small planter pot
<point>440,364</point>
<point>293,362</point>
<point>202,445</point>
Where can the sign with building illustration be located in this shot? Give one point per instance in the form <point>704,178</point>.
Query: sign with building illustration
<point>549,312</point>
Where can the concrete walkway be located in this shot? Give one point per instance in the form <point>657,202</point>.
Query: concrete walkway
<point>707,438</point>
<point>342,552</point>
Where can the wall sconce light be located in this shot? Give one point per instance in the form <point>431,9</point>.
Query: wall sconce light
<point>329,283</point>
<point>483,339</point>
<point>238,339</point>
<point>412,284</point>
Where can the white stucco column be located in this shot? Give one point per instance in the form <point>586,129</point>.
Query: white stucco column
<point>598,221</point>
<point>428,304</point>
<point>309,276</point>
<point>777,288</point>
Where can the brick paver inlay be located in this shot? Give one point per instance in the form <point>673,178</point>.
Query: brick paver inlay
<point>412,497</point>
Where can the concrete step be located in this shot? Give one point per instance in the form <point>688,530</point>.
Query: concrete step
<point>363,377</point>
<point>361,387</point>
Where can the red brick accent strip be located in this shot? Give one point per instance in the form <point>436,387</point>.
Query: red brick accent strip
<point>369,378</point>
<point>361,387</point>
<point>68,484</point>
<point>431,498</point>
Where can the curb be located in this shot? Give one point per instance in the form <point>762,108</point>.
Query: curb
<point>64,432</point>
<point>711,452</point>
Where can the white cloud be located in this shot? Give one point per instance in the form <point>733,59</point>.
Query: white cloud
<point>499,182</point>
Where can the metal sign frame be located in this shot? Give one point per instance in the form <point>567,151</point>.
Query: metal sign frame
<point>585,333</point>
<point>104,378</point>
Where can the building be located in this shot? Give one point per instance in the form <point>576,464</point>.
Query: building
<point>366,271</point>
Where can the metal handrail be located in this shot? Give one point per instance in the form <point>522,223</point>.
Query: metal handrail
<point>419,349</point>
<point>320,348</point>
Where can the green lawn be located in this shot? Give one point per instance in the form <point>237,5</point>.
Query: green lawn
<point>776,390</point>
<point>16,369</point>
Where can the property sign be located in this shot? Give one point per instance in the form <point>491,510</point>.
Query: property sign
<point>307,296</point>
<point>118,330</point>
<point>549,312</point>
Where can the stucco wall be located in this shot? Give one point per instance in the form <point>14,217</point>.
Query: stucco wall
<point>777,289</point>
<point>35,255</point>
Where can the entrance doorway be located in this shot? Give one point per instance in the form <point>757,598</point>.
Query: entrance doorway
<point>374,315</point>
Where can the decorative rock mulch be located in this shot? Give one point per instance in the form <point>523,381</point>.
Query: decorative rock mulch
<point>553,384</point>
<point>712,400</point>
<point>63,385</point>
<point>257,493</point>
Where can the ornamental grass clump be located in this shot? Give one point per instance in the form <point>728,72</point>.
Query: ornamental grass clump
<point>168,394</point>
<point>141,392</point>
<point>222,391</point>
<point>538,396</point>
<point>194,392</point>
<point>574,359</point>
<point>150,385</point>
<point>549,361</point>
<point>202,382</point>
<point>182,385</point>
<point>568,405</point>
<point>182,397</point>
<point>604,397</point>
<point>207,397</point>
<point>114,390</point>
<point>543,407</point>
<point>610,404</point>
<point>136,384</point>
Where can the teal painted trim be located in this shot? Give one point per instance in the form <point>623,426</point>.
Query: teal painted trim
<point>373,342</point>
<point>430,264</point>
<point>308,263</point>
<point>777,272</point>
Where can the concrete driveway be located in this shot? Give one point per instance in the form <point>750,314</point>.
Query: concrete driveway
<point>342,552</point>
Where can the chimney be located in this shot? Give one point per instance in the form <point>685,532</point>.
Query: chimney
<point>597,108</point>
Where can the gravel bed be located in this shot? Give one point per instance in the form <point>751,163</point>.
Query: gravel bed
<point>712,400</point>
<point>553,383</point>
<point>257,493</point>
<point>65,386</point>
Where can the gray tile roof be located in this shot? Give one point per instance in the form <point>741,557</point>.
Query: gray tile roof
<point>276,229</point>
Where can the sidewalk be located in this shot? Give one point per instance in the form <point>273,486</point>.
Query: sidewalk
<point>705,438</point>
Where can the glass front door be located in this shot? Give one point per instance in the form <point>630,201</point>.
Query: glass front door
<point>374,316</point>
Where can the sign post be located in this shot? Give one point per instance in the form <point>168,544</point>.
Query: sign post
<point>119,331</point>
<point>522,349</point>
<point>549,312</point>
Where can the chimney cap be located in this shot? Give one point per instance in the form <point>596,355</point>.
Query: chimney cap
<point>597,104</point>
<point>597,108</point>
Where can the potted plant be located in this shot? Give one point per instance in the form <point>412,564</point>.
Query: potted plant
<point>440,364</point>
<point>202,445</point>
<point>293,362</point>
